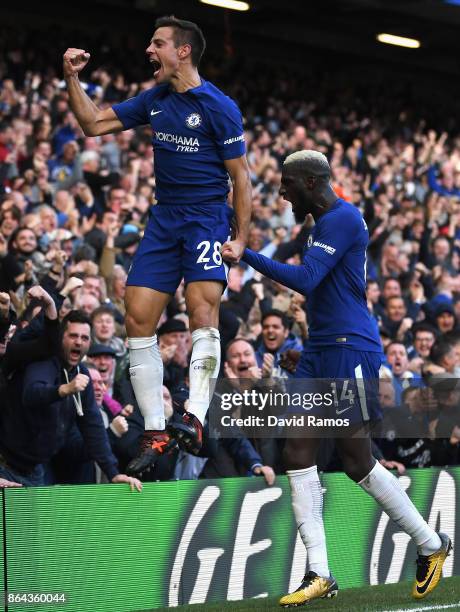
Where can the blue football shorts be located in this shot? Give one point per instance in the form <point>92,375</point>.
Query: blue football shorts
<point>353,378</point>
<point>182,242</point>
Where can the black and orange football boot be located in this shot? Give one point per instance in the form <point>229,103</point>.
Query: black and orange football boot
<point>187,432</point>
<point>154,444</point>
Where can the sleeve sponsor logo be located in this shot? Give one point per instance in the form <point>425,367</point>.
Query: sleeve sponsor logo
<point>329,250</point>
<point>234,139</point>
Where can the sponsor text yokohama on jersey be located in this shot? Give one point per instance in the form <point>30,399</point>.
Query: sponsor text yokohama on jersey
<point>181,140</point>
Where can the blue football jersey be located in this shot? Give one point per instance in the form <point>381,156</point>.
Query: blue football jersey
<point>337,307</point>
<point>333,278</point>
<point>193,134</point>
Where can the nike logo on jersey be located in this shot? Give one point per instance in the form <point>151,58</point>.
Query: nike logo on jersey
<point>343,410</point>
<point>208,267</point>
<point>155,112</point>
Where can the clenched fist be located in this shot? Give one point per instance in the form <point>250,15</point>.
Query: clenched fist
<point>77,384</point>
<point>233,251</point>
<point>40,295</point>
<point>119,426</point>
<point>74,61</point>
<point>4,305</point>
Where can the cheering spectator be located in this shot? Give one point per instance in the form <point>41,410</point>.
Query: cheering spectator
<point>276,339</point>
<point>395,319</point>
<point>103,323</point>
<point>55,395</point>
<point>396,354</point>
<point>442,354</point>
<point>424,338</point>
<point>102,356</point>
<point>445,318</point>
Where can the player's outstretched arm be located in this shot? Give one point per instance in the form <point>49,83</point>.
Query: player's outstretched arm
<point>93,121</point>
<point>239,173</point>
<point>303,278</point>
<point>330,244</point>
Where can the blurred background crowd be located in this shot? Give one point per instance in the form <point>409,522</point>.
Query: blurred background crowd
<point>73,209</point>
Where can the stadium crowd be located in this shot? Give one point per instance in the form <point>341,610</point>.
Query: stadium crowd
<point>72,212</point>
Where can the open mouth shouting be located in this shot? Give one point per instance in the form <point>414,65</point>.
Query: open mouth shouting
<point>243,370</point>
<point>74,356</point>
<point>156,67</point>
<point>271,341</point>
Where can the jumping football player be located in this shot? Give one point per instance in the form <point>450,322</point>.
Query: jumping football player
<point>198,141</point>
<point>343,344</point>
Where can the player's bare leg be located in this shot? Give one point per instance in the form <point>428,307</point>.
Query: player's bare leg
<point>202,300</point>
<point>300,453</point>
<point>356,455</point>
<point>433,549</point>
<point>143,310</point>
<point>307,502</point>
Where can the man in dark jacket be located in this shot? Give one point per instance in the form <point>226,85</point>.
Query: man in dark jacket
<point>43,404</point>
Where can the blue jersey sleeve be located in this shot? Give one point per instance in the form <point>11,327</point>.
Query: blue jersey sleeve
<point>228,129</point>
<point>133,112</point>
<point>334,236</point>
<point>303,278</point>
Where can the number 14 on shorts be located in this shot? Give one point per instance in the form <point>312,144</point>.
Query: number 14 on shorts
<point>346,396</point>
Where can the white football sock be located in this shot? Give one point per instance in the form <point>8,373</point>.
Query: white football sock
<point>387,491</point>
<point>146,373</point>
<point>307,502</point>
<point>204,365</point>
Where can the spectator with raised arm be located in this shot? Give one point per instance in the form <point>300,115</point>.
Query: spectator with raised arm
<point>43,405</point>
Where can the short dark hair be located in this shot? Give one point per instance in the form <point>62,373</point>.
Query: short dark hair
<point>234,341</point>
<point>102,310</point>
<point>74,316</point>
<point>452,337</point>
<point>15,234</point>
<point>14,210</point>
<point>277,313</point>
<point>101,214</point>
<point>185,33</point>
<point>111,190</point>
<point>408,391</point>
<point>392,343</point>
<point>85,252</point>
<point>390,278</point>
<point>439,350</point>
<point>424,327</point>
<point>395,297</point>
